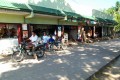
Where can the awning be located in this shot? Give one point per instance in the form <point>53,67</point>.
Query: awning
<point>5,4</point>
<point>89,17</point>
<point>44,10</point>
<point>111,21</point>
<point>72,14</point>
<point>106,21</point>
<point>100,20</point>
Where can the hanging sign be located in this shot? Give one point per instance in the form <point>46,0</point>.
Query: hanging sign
<point>24,26</point>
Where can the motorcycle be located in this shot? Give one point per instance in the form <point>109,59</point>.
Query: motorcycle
<point>20,51</point>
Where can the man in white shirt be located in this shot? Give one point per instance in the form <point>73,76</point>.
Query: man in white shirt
<point>33,39</point>
<point>33,42</point>
<point>45,38</point>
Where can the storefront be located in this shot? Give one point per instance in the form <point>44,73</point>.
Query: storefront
<point>9,37</point>
<point>18,21</point>
<point>40,29</point>
<point>8,30</point>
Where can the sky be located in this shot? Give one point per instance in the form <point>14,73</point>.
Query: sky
<point>85,6</point>
<point>99,4</point>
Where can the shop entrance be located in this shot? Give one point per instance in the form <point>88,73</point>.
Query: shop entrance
<point>72,32</point>
<point>98,31</point>
<point>40,29</point>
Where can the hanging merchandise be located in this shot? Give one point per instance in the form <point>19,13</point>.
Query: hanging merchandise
<point>66,36</point>
<point>59,31</point>
<point>55,32</point>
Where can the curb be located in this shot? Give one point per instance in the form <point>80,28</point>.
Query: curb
<point>90,78</point>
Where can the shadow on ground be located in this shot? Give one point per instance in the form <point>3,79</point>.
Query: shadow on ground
<point>76,63</point>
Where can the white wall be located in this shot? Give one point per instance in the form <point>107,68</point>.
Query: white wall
<point>7,44</point>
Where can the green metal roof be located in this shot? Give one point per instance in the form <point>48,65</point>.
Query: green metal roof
<point>110,21</point>
<point>100,19</point>
<point>5,4</point>
<point>44,10</point>
<point>72,14</point>
<point>105,20</point>
<point>74,17</point>
<point>89,17</point>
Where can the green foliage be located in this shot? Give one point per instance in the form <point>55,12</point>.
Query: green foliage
<point>110,11</point>
<point>117,6</point>
<point>117,17</point>
<point>117,28</point>
<point>115,11</point>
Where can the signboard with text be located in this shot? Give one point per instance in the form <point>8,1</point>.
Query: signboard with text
<point>24,26</point>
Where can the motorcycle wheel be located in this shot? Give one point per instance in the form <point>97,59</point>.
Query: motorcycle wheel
<point>40,53</point>
<point>17,56</point>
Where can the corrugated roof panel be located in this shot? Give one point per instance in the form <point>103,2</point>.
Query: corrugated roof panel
<point>5,4</point>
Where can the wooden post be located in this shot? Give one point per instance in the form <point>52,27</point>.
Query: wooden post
<point>19,33</point>
<point>94,32</point>
<point>79,35</point>
<point>62,31</point>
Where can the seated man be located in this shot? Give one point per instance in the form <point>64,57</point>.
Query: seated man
<point>45,39</point>
<point>33,42</point>
<point>51,40</point>
<point>39,40</point>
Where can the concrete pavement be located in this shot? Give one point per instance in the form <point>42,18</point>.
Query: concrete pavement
<point>76,63</point>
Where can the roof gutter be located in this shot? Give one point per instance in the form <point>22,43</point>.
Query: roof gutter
<point>31,15</point>
<point>65,15</point>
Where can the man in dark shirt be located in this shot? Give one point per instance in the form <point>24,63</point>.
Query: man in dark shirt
<point>51,40</point>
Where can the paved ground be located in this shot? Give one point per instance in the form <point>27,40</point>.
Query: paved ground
<point>76,63</point>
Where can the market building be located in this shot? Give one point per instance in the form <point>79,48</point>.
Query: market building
<point>105,24</point>
<point>19,19</point>
<point>37,17</point>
